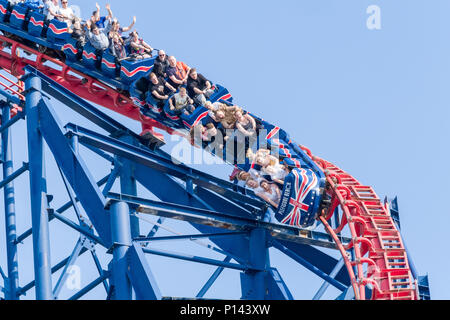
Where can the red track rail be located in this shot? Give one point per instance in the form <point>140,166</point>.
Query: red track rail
<point>380,256</point>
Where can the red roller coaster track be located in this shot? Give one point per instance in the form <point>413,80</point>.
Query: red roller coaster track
<point>376,241</point>
<point>380,259</point>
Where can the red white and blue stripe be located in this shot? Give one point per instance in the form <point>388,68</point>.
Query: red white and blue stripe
<point>109,64</point>
<point>132,73</point>
<point>55,30</point>
<point>18,15</point>
<point>89,56</point>
<point>37,23</point>
<point>70,47</point>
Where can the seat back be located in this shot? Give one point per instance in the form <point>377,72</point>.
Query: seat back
<point>18,16</point>
<point>70,50</point>
<point>4,4</point>
<point>36,24</point>
<point>109,66</point>
<point>131,71</point>
<point>221,94</point>
<point>153,106</point>
<point>199,116</point>
<point>89,56</point>
<point>57,32</point>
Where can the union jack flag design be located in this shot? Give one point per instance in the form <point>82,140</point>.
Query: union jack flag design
<point>297,204</point>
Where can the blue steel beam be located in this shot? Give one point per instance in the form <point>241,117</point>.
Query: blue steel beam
<point>213,199</point>
<point>141,276</point>
<point>277,288</point>
<point>55,269</point>
<point>11,98</point>
<point>81,229</point>
<point>112,179</point>
<point>100,270</point>
<point>75,170</point>
<point>13,175</point>
<point>63,277</point>
<point>101,153</point>
<point>72,197</point>
<point>61,210</point>
<point>308,265</point>
<point>212,279</point>
<point>167,189</point>
<point>395,213</point>
<point>253,282</point>
<point>323,288</point>
<point>80,105</point>
<point>155,229</point>
<point>10,208</point>
<point>424,288</point>
<point>317,259</point>
<point>3,274</point>
<point>225,221</point>
<point>121,236</point>
<point>6,124</point>
<point>170,190</point>
<point>39,205</point>
<point>188,237</point>
<point>128,183</point>
<point>202,260</point>
<point>90,287</point>
<point>163,164</point>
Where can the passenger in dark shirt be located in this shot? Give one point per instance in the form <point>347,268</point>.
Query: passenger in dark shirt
<point>198,87</point>
<point>177,72</point>
<point>161,64</point>
<point>160,90</point>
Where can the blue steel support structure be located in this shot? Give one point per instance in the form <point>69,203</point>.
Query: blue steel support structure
<point>230,217</point>
<point>128,184</point>
<point>10,211</point>
<point>121,236</point>
<point>38,191</point>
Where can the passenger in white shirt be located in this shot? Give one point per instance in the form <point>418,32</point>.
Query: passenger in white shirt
<point>66,12</point>
<point>51,9</point>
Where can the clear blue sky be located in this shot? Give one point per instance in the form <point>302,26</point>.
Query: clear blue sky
<point>373,102</point>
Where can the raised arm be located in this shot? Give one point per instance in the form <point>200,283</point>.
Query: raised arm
<point>97,13</point>
<point>110,14</point>
<point>130,26</point>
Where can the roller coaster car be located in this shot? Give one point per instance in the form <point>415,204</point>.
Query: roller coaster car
<point>133,70</point>
<point>300,199</point>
